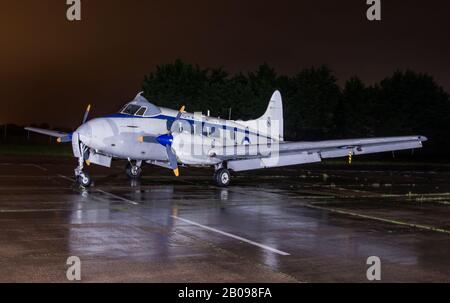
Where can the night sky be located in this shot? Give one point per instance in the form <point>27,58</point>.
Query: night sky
<point>50,68</point>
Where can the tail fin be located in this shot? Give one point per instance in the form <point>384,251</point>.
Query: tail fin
<point>271,123</point>
<point>274,113</point>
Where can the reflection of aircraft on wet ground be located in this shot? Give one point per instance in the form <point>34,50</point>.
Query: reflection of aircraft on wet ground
<point>142,132</point>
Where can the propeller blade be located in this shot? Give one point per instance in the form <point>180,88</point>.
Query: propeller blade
<point>86,156</point>
<point>182,109</point>
<point>171,122</point>
<point>147,139</point>
<point>172,160</point>
<point>180,112</point>
<point>165,140</point>
<point>64,139</point>
<point>86,114</point>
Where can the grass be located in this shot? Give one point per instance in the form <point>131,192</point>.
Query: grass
<point>36,150</point>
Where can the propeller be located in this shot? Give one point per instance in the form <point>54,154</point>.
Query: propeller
<point>64,139</point>
<point>86,114</point>
<point>68,137</point>
<point>170,123</point>
<point>166,140</point>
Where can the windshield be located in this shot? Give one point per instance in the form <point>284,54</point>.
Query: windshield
<point>131,109</point>
<point>141,111</point>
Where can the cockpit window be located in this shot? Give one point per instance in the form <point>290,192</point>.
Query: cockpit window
<point>141,111</point>
<point>140,107</point>
<point>131,109</point>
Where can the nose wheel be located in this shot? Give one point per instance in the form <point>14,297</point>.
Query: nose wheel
<point>133,171</point>
<point>222,177</point>
<point>84,179</point>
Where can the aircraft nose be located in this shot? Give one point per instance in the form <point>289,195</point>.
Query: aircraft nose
<point>85,133</point>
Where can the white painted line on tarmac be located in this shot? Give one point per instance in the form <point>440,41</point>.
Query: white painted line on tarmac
<point>40,167</point>
<point>25,164</point>
<point>104,192</point>
<point>116,196</point>
<point>274,250</point>
<point>65,177</point>
<point>233,236</point>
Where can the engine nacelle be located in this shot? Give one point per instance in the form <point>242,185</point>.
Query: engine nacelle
<point>194,149</point>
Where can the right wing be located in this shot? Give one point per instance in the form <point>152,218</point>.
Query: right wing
<point>292,153</point>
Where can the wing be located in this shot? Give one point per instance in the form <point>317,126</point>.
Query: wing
<point>52,133</point>
<point>292,153</point>
<point>62,137</point>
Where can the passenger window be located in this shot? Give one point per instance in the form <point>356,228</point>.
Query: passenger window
<point>206,131</point>
<point>232,134</point>
<point>215,132</point>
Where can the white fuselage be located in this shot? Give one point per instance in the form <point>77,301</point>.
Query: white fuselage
<point>117,136</point>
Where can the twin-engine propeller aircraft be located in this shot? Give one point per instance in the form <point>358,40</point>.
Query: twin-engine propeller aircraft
<point>143,132</point>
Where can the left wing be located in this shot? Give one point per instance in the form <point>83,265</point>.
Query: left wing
<point>291,153</point>
<point>62,137</point>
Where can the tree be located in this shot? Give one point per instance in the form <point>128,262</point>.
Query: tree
<point>354,115</point>
<point>412,103</point>
<point>315,107</point>
<point>312,104</point>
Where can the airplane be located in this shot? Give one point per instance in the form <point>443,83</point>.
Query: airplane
<point>142,132</point>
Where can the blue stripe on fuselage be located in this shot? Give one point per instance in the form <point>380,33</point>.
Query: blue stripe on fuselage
<point>192,122</point>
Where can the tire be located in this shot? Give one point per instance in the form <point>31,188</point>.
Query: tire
<point>222,177</point>
<point>133,172</point>
<point>84,180</point>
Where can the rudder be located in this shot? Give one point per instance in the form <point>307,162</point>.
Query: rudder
<point>274,114</point>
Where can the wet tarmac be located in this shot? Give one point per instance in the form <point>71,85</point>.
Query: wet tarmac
<point>299,224</point>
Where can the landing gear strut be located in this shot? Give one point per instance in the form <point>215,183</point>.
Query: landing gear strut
<point>222,177</point>
<point>133,171</point>
<point>81,177</point>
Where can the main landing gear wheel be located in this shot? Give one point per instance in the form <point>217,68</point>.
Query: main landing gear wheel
<point>222,177</point>
<point>133,171</point>
<point>84,179</point>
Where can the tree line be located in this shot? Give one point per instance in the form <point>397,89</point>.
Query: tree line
<point>315,106</point>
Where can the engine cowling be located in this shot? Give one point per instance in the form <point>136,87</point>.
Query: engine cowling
<point>194,149</point>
